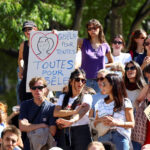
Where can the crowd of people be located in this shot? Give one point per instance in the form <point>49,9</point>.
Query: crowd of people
<point>101,108</point>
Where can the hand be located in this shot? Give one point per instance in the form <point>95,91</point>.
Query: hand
<point>54,31</point>
<point>146,147</point>
<point>64,123</point>
<point>146,61</point>
<point>109,121</point>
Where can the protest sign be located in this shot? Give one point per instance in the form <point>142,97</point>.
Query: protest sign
<point>147,112</point>
<point>52,56</point>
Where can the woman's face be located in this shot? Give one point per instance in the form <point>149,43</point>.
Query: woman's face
<point>100,78</point>
<point>131,71</point>
<point>117,45</point>
<point>78,84</point>
<point>140,39</point>
<point>93,30</point>
<point>106,87</point>
<point>147,45</point>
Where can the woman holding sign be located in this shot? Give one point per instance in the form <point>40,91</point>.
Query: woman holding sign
<point>72,108</point>
<point>94,49</point>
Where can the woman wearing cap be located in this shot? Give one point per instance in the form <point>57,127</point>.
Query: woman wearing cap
<point>93,50</point>
<point>28,26</point>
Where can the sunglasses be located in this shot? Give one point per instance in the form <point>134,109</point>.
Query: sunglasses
<point>27,29</point>
<point>146,43</point>
<point>37,87</point>
<point>99,79</point>
<point>92,28</point>
<point>141,37</point>
<point>117,42</point>
<point>130,68</point>
<point>79,79</point>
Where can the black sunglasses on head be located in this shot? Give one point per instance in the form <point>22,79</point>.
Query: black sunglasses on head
<point>130,68</point>
<point>80,79</point>
<point>38,87</point>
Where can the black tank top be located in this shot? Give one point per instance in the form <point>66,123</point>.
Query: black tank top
<point>25,58</point>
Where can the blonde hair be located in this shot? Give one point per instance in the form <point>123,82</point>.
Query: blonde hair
<point>3,109</point>
<point>105,71</point>
<point>98,144</point>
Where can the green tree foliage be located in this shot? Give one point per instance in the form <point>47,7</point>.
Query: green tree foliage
<point>60,14</point>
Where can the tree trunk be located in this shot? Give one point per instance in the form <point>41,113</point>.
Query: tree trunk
<point>78,13</point>
<point>115,24</point>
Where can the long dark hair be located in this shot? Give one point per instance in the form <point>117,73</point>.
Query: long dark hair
<point>136,34</point>
<point>101,35</point>
<point>118,90</point>
<point>74,74</point>
<point>140,82</point>
<point>144,44</point>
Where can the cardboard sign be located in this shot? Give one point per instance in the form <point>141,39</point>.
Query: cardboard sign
<point>52,56</point>
<point>147,112</point>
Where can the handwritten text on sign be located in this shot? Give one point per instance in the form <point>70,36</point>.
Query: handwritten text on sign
<point>52,56</point>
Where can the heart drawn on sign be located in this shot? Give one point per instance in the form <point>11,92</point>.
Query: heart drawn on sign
<point>43,45</point>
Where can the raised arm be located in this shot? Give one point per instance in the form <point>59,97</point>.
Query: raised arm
<point>20,59</point>
<point>110,59</point>
<point>79,43</point>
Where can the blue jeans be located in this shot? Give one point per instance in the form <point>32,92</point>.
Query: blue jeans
<point>93,84</point>
<point>136,145</point>
<point>120,142</point>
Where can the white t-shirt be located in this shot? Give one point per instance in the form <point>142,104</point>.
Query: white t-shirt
<point>87,98</point>
<point>122,58</point>
<point>107,109</point>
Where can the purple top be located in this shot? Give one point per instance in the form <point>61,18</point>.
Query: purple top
<point>93,60</point>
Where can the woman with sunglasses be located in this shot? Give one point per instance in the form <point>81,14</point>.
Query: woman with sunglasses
<point>118,45</point>
<point>144,59</point>
<point>134,80</point>
<point>115,111</point>
<point>72,108</point>
<point>94,49</point>
<point>136,44</point>
<point>100,77</point>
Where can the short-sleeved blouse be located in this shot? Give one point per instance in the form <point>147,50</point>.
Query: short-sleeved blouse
<point>93,60</point>
<point>105,109</point>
